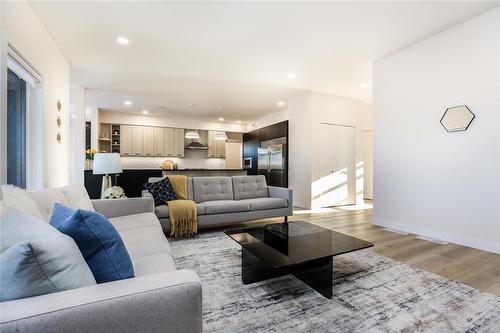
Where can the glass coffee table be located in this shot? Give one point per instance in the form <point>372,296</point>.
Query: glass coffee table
<point>299,248</point>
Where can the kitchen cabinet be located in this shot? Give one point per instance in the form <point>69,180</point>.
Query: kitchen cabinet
<point>137,140</point>
<point>159,141</point>
<point>169,141</point>
<point>179,142</point>
<point>216,148</point>
<point>125,140</point>
<point>148,141</point>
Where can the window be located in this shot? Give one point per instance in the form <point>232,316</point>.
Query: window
<point>16,130</point>
<point>24,123</point>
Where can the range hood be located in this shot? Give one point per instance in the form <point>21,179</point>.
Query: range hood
<point>196,145</point>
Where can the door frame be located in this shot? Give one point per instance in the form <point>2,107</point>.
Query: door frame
<point>354,147</point>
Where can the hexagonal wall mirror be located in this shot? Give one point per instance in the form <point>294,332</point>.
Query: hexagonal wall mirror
<point>457,118</point>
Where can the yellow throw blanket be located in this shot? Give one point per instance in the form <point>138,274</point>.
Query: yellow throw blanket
<point>179,183</point>
<point>183,213</point>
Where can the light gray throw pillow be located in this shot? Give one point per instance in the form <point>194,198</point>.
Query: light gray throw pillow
<point>37,259</point>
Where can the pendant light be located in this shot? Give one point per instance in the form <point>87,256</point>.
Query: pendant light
<point>193,135</point>
<point>220,136</point>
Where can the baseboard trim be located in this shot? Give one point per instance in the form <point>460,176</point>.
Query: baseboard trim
<point>449,237</point>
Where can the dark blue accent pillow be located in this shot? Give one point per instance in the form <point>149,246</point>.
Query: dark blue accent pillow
<point>100,243</point>
<point>161,190</point>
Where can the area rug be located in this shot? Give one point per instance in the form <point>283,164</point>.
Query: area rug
<point>372,293</point>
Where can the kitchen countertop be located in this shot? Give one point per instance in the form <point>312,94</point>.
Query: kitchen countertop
<point>159,169</point>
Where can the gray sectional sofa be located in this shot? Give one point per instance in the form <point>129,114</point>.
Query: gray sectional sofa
<point>159,298</point>
<point>226,200</point>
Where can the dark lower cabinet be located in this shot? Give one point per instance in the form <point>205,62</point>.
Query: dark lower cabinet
<point>131,181</point>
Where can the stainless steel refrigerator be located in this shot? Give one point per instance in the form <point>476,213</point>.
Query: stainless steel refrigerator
<point>272,162</point>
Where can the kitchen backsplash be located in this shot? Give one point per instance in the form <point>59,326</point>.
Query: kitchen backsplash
<point>192,159</point>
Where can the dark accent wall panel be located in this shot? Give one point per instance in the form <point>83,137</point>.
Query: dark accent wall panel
<point>252,140</point>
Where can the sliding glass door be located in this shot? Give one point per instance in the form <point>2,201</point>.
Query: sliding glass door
<point>16,130</point>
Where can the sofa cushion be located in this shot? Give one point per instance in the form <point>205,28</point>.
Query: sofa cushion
<point>97,239</point>
<point>247,187</point>
<point>46,199</point>
<point>145,241</point>
<point>266,203</point>
<point>161,190</point>
<point>212,188</point>
<point>225,206</point>
<point>162,211</point>
<point>77,197</point>
<point>42,260</point>
<point>20,199</point>
<point>134,221</point>
<point>154,264</point>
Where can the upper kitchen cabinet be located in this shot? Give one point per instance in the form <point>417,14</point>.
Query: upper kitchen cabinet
<point>137,140</point>
<point>216,148</point>
<point>159,141</point>
<point>148,141</point>
<point>125,140</point>
<point>179,142</point>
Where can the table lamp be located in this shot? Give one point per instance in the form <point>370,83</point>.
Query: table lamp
<point>106,164</point>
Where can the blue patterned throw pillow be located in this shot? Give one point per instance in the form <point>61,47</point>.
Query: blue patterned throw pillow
<point>161,190</point>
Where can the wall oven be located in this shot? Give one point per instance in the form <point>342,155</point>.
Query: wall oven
<point>247,163</point>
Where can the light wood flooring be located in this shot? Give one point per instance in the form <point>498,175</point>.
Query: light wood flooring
<point>475,268</point>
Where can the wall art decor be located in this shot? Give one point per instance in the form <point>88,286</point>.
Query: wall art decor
<point>457,118</point>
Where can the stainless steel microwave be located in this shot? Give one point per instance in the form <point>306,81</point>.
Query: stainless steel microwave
<point>247,163</point>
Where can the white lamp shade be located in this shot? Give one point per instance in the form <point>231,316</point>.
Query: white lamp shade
<point>192,135</point>
<point>107,163</point>
<point>220,136</point>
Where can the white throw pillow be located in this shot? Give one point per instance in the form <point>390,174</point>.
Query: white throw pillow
<point>77,197</point>
<point>19,199</point>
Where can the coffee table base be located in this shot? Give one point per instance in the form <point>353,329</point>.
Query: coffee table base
<point>317,274</point>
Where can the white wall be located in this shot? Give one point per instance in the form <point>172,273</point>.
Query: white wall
<point>427,181</point>
<point>306,112</point>
<point>267,120</point>
<point>179,122</point>
<point>77,137</point>
<point>23,29</point>
<point>300,127</point>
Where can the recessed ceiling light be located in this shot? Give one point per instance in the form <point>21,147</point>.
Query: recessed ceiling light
<point>292,75</point>
<point>364,85</point>
<point>145,112</point>
<point>281,103</point>
<point>122,40</point>
<point>221,119</point>
<point>127,103</point>
<point>238,122</point>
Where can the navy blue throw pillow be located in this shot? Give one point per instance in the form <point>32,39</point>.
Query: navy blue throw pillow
<point>161,190</point>
<point>100,243</point>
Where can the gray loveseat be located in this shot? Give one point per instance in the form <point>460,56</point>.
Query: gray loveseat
<point>226,200</point>
<point>159,298</point>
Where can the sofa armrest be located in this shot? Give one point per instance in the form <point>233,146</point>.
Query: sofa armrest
<point>167,302</point>
<point>126,206</point>
<point>281,192</point>
<point>146,193</point>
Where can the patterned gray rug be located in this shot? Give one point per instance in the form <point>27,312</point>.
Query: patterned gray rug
<point>372,293</point>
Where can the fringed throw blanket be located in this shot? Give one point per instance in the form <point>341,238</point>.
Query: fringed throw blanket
<point>183,218</point>
<point>183,213</point>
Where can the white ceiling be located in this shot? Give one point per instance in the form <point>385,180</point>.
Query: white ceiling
<point>236,54</point>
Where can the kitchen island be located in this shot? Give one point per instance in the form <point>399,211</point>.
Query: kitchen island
<point>206,172</point>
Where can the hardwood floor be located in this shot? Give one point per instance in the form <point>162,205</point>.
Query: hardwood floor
<point>475,268</point>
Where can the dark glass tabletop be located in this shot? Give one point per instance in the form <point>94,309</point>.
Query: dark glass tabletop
<point>296,242</point>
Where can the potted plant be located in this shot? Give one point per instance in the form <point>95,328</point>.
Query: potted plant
<point>89,157</point>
